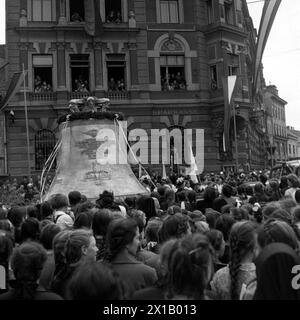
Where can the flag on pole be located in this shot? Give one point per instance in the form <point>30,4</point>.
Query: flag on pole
<point>93,21</point>
<point>193,167</point>
<point>14,86</point>
<point>268,16</point>
<point>229,84</point>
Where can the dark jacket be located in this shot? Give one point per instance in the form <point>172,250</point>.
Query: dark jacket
<point>40,294</point>
<point>61,281</point>
<point>152,293</point>
<point>135,274</point>
<point>149,258</point>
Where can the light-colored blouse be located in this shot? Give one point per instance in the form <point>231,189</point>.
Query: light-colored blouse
<point>220,284</point>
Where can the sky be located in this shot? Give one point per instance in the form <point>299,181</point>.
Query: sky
<point>281,58</point>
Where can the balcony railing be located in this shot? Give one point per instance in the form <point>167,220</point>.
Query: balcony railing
<point>118,95</point>
<point>79,95</point>
<point>43,96</point>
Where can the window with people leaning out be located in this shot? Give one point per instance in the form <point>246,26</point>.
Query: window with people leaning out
<point>77,13</point>
<point>42,79</point>
<point>172,78</point>
<point>113,11</point>
<point>79,64</point>
<point>116,76</point>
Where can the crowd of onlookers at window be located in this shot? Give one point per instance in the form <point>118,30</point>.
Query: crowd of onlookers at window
<point>116,85</point>
<point>41,85</point>
<point>173,82</point>
<point>114,17</point>
<point>81,85</point>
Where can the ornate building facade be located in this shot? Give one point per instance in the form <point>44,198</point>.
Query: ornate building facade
<point>160,62</point>
<point>293,143</point>
<point>276,125</point>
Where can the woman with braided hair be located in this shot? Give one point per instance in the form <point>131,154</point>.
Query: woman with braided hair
<point>122,244</point>
<point>228,281</point>
<point>79,248</point>
<point>190,267</point>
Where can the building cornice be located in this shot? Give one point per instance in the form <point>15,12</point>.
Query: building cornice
<point>74,28</point>
<point>218,26</point>
<point>274,97</point>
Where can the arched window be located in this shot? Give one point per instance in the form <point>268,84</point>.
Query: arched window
<point>172,56</point>
<point>44,143</point>
<point>172,66</point>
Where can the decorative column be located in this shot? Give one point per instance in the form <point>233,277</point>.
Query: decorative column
<point>62,12</point>
<point>98,65</point>
<point>132,47</point>
<point>61,65</point>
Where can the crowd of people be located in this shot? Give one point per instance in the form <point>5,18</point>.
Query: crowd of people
<point>41,85</point>
<point>114,17</point>
<point>118,85</point>
<point>229,237</point>
<point>173,82</point>
<point>81,85</point>
<point>25,192</point>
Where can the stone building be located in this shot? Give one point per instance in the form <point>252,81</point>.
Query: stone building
<point>276,124</point>
<point>293,143</point>
<point>160,62</point>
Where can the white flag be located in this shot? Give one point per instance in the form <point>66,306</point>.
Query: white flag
<point>193,168</point>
